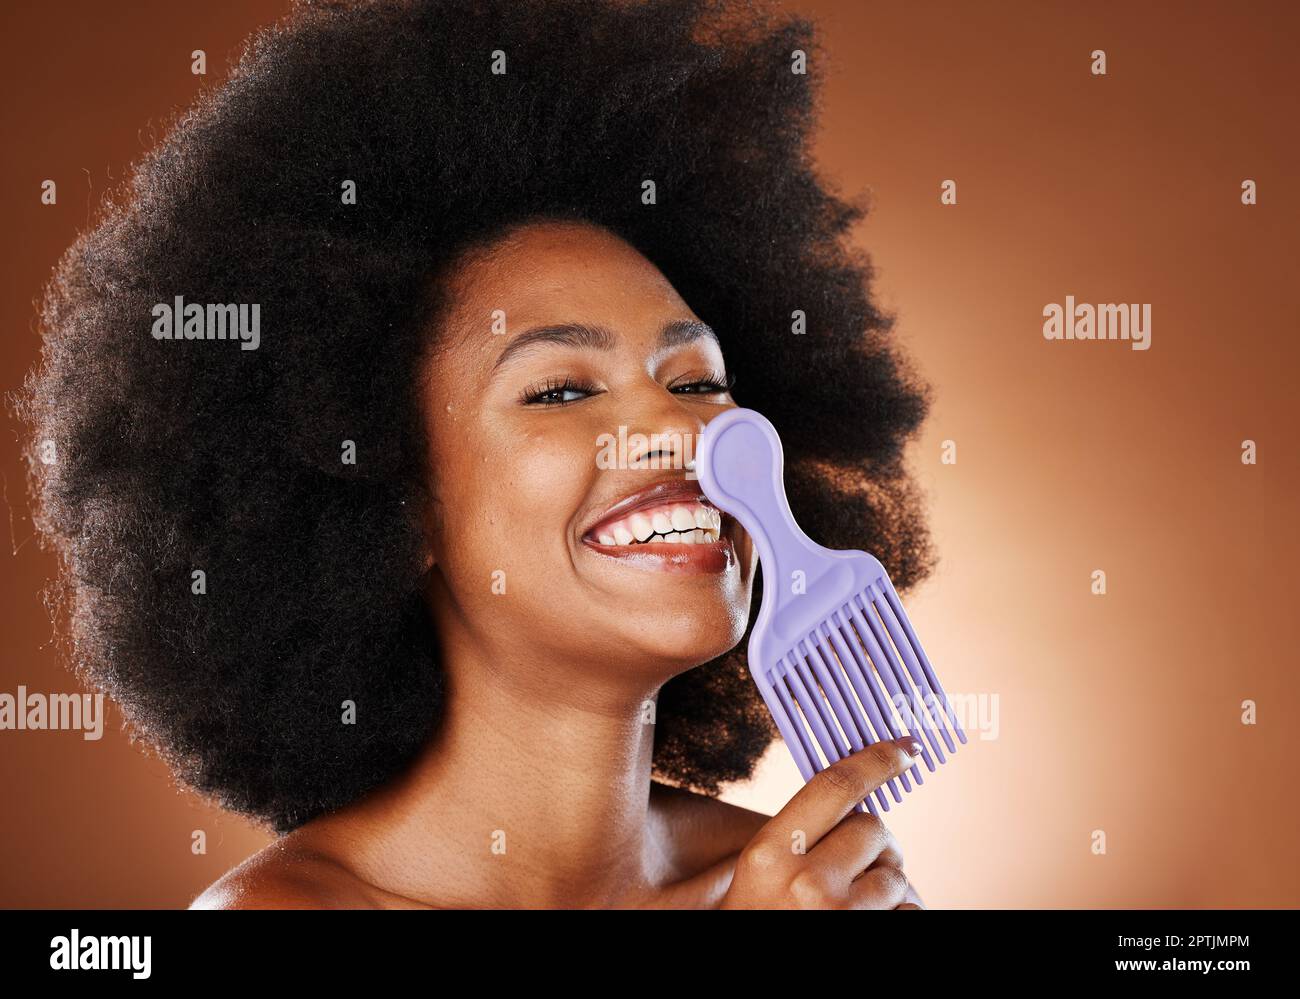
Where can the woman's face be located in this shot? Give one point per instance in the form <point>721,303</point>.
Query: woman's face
<point>539,529</point>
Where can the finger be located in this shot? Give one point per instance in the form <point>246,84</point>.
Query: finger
<point>913,898</point>
<point>879,888</point>
<point>860,841</point>
<point>832,793</point>
<point>892,854</point>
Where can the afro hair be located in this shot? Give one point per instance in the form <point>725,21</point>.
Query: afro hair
<point>176,457</point>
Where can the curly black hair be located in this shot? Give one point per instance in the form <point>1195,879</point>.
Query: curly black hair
<point>171,457</point>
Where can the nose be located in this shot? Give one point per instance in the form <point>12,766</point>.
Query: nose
<point>663,430</point>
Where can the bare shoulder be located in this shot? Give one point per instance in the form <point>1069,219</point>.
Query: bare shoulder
<point>285,875</point>
<point>702,829</point>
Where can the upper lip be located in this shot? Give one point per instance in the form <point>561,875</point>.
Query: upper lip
<point>661,492</point>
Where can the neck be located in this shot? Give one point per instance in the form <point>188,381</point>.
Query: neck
<point>531,793</point>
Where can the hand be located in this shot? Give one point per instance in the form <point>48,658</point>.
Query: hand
<point>818,853</point>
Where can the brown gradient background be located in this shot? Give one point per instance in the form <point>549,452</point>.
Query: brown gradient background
<point>1119,713</point>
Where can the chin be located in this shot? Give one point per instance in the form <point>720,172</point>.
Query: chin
<point>694,639</point>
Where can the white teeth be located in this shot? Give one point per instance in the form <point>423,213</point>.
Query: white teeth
<point>680,524</point>
<point>683,519</point>
<point>641,526</point>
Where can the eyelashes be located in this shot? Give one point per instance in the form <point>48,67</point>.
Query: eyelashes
<point>551,391</point>
<point>715,381</point>
<point>542,393</point>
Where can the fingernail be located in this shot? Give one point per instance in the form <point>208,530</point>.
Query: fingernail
<point>913,746</point>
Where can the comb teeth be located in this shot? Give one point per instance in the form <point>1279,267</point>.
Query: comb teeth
<point>861,676</point>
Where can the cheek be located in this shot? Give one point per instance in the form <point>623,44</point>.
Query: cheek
<point>539,481</point>
<point>510,506</point>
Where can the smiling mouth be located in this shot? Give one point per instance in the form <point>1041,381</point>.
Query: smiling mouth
<point>669,523</point>
<point>679,535</point>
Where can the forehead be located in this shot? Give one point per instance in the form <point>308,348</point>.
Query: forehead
<point>561,272</point>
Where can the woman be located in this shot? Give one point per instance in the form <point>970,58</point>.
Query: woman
<point>363,575</point>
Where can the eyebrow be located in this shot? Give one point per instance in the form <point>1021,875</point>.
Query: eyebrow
<point>673,333</point>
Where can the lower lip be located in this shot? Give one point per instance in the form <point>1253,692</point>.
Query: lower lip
<point>715,556</point>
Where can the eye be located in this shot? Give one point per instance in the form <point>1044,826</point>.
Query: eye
<point>711,384</point>
<point>556,392</point>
